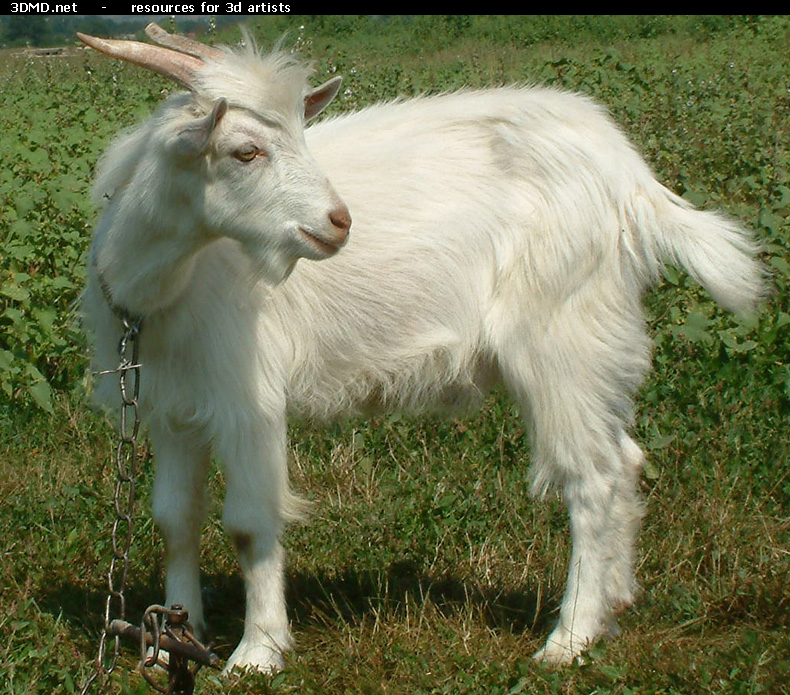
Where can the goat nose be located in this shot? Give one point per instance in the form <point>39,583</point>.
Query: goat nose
<point>341,221</point>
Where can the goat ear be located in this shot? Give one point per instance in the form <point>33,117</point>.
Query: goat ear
<point>193,140</point>
<point>317,100</point>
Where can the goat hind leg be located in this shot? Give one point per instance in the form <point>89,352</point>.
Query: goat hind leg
<point>575,392</point>
<point>626,517</point>
<point>587,610</point>
<point>605,512</point>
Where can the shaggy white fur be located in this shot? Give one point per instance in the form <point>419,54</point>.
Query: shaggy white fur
<point>503,235</point>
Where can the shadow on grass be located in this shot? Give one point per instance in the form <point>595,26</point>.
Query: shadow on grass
<point>350,596</point>
<point>343,596</point>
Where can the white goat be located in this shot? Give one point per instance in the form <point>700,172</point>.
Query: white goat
<point>503,235</point>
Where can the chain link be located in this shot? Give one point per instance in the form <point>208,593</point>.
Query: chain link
<point>173,635</point>
<point>126,459</point>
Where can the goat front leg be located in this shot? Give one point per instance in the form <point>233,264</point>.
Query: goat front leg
<point>182,460</point>
<point>256,476</point>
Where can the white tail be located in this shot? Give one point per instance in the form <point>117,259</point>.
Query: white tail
<point>715,250</point>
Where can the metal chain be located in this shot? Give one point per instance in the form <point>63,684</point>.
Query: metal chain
<point>168,647</point>
<point>174,636</point>
<point>124,498</point>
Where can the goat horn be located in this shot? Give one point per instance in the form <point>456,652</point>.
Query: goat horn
<point>181,43</point>
<point>177,66</point>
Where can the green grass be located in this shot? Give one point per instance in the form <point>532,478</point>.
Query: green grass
<point>423,566</point>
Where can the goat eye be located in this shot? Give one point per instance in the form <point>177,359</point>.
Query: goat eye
<point>246,153</point>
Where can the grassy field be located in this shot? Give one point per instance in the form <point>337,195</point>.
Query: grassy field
<point>424,567</point>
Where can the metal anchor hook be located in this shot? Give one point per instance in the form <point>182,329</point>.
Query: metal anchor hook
<point>174,636</point>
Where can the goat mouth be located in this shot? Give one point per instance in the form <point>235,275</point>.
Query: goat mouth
<point>325,247</point>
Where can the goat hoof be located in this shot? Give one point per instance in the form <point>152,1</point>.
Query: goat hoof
<point>163,659</point>
<point>254,658</point>
<point>554,655</point>
<point>562,648</point>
